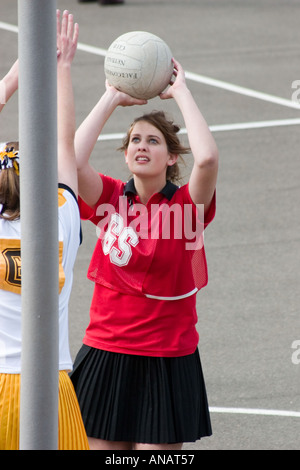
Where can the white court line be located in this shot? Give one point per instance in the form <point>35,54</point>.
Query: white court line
<point>9,27</point>
<point>255,125</point>
<point>254,411</point>
<point>213,82</point>
<point>224,127</point>
<point>191,76</point>
<point>242,90</point>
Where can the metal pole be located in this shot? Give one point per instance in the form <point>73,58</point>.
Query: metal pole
<point>39,224</point>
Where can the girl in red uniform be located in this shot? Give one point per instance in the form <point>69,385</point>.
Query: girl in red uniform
<point>138,375</point>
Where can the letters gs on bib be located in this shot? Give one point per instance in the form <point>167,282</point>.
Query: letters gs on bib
<point>125,237</point>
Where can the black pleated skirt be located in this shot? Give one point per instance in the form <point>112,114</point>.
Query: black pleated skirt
<point>141,399</point>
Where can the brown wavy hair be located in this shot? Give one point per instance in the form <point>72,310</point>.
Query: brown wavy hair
<point>167,127</point>
<point>10,190</point>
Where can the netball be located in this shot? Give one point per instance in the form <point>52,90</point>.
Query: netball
<point>139,64</point>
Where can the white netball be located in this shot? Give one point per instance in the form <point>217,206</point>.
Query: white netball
<point>139,64</point>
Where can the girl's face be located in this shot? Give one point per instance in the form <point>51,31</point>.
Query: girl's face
<point>147,153</point>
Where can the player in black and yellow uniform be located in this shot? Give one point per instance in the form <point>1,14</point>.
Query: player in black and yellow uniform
<point>72,434</point>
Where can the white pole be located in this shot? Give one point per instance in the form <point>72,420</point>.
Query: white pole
<point>39,224</point>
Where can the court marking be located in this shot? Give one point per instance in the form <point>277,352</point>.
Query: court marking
<point>223,127</point>
<point>216,128</point>
<point>242,90</point>
<point>255,411</point>
<point>9,27</point>
<point>190,76</point>
<point>213,82</point>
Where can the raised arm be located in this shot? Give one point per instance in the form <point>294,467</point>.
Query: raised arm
<point>67,37</point>
<point>89,181</point>
<point>9,84</point>
<point>203,177</point>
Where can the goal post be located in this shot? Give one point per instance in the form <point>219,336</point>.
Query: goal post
<point>39,224</point>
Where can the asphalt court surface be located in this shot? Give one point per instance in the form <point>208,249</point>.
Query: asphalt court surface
<point>241,59</point>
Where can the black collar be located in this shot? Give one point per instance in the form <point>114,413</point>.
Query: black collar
<point>168,190</point>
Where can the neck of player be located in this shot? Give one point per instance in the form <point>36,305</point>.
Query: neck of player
<point>146,187</point>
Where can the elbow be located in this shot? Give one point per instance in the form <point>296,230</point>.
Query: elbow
<point>209,159</point>
<point>213,157</point>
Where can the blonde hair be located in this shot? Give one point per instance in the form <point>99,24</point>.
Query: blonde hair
<point>10,189</point>
<point>169,130</point>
